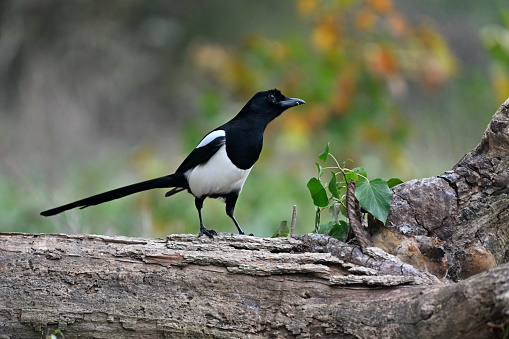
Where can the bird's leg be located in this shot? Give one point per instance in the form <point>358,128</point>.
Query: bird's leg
<point>203,230</point>
<point>237,224</point>
<point>231,200</point>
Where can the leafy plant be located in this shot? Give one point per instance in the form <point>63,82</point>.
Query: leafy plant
<point>373,195</point>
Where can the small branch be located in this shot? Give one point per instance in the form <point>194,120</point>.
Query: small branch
<point>355,218</point>
<point>294,220</point>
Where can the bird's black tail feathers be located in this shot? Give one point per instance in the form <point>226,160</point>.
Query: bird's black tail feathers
<point>173,180</point>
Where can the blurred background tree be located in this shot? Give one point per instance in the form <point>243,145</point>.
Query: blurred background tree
<point>95,95</point>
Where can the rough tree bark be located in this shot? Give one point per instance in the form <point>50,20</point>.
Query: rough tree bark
<point>440,231</point>
<point>232,287</point>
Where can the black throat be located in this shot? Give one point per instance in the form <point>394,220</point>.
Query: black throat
<point>244,144</point>
<point>244,133</point>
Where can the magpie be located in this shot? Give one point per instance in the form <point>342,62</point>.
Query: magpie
<point>218,166</point>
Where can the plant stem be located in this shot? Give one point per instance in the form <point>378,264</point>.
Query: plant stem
<point>317,219</point>
<point>335,160</point>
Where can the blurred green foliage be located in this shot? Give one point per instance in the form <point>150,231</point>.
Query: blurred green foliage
<point>386,88</point>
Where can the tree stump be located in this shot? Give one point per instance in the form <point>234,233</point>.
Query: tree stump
<point>455,225</point>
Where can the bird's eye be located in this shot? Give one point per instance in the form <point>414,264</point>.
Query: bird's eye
<point>272,97</point>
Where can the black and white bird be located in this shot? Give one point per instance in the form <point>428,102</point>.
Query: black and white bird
<point>218,166</point>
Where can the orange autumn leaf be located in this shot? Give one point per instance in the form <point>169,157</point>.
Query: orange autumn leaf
<point>501,85</point>
<point>381,6</point>
<point>298,124</point>
<point>317,116</point>
<point>344,93</point>
<point>437,62</point>
<point>382,61</point>
<point>365,20</point>
<point>326,35</point>
<point>306,6</point>
<point>398,25</point>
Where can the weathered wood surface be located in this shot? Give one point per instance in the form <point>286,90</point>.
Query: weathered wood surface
<point>232,287</point>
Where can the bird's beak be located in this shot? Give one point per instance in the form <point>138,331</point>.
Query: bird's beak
<point>291,102</point>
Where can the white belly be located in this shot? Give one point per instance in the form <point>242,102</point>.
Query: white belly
<point>216,177</point>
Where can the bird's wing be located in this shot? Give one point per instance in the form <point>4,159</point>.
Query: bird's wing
<point>207,147</point>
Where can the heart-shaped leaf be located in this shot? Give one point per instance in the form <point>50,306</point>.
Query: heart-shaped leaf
<point>375,197</point>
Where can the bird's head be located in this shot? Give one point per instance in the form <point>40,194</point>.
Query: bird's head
<point>274,99</point>
<point>267,105</point>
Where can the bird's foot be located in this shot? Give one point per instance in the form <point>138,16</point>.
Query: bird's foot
<point>208,233</point>
<point>241,232</point>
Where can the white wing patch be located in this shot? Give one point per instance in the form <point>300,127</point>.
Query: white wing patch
<point>210,137</point>
<point>217,176</point>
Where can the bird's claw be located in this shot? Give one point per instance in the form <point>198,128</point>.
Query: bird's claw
<point>208,233</point>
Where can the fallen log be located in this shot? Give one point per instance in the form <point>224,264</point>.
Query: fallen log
<point>89,286</point>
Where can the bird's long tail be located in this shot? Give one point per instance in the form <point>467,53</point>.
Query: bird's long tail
<point>172,180</point>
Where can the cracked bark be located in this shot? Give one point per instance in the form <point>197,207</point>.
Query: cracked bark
<point>232,287</point>
<point>440,229</point>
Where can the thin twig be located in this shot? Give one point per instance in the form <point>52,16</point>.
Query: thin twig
<point>294,219</point>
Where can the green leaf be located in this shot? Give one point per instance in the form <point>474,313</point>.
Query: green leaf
<point>343,210</point>
<point>282,230</point>
<point>318,192</point>
<point>334,212</point>
<point>335,230</point>
<point>326,228</point>
<point>320,170</point>
<point>333,188</point>
<point>375,197</point>
<point>340,231</point>
<point>347,160</point>
<point>323,156</point>
<point>342,188</point>
<point>394,182</point>
<point>361,172</point>
<point>351,176</point>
